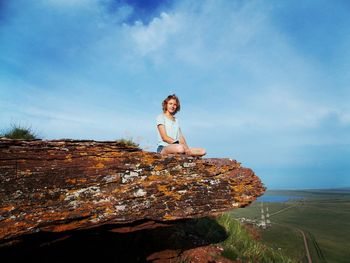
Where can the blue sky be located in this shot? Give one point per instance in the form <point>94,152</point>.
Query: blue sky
<point>262,82</point>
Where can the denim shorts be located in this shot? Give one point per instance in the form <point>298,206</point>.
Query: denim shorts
<point>160,148</point>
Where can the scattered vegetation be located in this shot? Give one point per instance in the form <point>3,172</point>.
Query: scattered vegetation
<point>19,133</point>
<point>240,245</point>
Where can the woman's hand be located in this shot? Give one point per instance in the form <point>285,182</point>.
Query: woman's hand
<point>187,149</point>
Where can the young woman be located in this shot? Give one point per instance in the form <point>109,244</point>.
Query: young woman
<point>170,137</point>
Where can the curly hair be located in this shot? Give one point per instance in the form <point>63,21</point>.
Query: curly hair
<point>165,102</point>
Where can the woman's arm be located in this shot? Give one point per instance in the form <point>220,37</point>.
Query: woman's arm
<point>165,137</point>
<point>183,141</point>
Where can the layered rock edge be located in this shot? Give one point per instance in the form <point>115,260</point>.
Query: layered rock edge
<point>62,185</point>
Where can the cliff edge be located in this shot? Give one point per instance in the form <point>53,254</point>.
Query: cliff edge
<point>60,185</point>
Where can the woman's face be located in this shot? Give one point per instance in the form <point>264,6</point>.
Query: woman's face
<point>171,106</point>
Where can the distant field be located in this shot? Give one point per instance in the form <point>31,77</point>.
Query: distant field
<point>323,216</point>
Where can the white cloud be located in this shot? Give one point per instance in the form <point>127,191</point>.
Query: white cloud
<point>152,37</point>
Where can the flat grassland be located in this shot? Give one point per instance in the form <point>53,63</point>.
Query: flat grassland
<point>322,215</point>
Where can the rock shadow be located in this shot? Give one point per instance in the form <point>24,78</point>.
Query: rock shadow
<point>100,244</point>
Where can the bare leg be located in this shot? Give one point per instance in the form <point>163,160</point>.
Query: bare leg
<point>173,148</point>
<point>196,151</point>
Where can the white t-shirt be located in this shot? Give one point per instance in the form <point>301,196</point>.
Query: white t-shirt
<point>172,129</point>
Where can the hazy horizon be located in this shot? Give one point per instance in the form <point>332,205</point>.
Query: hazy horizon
<point>347,188</point>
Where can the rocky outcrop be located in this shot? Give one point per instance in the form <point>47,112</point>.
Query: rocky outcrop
<point>65,185</point>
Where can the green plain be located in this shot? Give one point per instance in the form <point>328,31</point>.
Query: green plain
<point>323,216</point>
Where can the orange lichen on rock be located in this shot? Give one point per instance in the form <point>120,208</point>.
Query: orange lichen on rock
<point>68,158</point>
<point>164,189</point>
<point>99,166</point>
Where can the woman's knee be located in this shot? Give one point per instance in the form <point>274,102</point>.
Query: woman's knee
<point>199,151</point>
<point>179,148</point>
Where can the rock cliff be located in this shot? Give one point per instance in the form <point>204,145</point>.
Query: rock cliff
<point>61,185</point>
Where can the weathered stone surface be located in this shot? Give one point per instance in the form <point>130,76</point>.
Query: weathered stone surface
<point>68,184</point>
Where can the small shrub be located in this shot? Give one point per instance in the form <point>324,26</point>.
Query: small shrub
<point>18,132</point>
<point>128,142</point>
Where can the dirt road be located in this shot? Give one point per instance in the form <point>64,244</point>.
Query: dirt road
<point>301,231</point>
<point>306,246</point>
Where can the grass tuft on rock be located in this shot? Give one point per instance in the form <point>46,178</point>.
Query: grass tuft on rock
<point>18,132</point>
<point>128,142</point>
